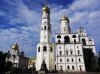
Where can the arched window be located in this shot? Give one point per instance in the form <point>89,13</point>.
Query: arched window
<point>72,67</point>
<point>80,68</point>
<point>66,39</point>
<point>38,49</point>
<point>67,60</point>
<point>58,36</point>
<point>51,49</point>
<point>84,42</point>
<point>72,60</point>
<point>74,36</point>
<point>78,51</point>
<point>67,52</point>
<point>68,67</point>
<point>71,52</point>
<point>75,41</point>
<point>79,60</point>
<point>44,48</point>
<point>58,41</point>
<point>90,40</point>
<point>44,27</point>
<point>61,68</point>
<point>60,60</point>
<point>60,52</point>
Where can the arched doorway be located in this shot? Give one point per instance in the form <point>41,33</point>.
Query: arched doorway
<point>66,39</point>
<point>84,42</point>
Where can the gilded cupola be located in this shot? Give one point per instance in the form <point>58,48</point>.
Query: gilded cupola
<point>15,46</point>
<point>65,18</point>
<point>46,9</point>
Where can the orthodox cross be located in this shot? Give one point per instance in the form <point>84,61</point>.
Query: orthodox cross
<point>45,2</point>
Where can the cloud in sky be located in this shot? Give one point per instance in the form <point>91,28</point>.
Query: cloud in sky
<point>21,21</point>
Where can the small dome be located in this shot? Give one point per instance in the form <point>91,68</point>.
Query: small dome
<point>64,18</point>
<point>46,9</point>
<point>15,46</point>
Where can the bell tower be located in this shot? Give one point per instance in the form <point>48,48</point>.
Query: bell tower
<point>45,49</point>
<point>45,26</point>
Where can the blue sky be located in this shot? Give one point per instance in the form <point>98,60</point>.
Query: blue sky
<point>20,21</point>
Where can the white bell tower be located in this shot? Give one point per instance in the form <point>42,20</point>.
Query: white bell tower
<point>45,49</point>
<point>46,26</point>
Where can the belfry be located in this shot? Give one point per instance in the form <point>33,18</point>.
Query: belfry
<point>45,49</point>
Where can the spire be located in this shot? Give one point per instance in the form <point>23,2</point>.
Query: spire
<point>81,29</point>
<point>45,2</point>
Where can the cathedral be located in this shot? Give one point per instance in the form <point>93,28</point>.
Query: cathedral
<point>66,53</point>
<point>17,58</point>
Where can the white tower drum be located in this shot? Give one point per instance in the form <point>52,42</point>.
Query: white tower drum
<point>45,49</point>
<point>65,28</point>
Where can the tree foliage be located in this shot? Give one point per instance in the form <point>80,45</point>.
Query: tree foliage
<point>88,59</point>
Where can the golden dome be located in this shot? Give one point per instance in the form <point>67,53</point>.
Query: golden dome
<point>46,9</point>
<point>15,46</point>
<point>65,18</point>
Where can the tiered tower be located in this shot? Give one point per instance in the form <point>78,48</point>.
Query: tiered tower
<point>45,49</point>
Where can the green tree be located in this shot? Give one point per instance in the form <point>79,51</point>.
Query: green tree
<point>89,59</point>
<point>2,62</point>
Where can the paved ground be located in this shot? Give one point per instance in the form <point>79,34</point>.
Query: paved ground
<point>65,73</point>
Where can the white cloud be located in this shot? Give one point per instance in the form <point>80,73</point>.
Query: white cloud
<point>27,35</point>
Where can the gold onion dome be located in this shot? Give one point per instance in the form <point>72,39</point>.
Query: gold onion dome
<point>65,18</point>
<point>46,9</point>
<point>15,46</point>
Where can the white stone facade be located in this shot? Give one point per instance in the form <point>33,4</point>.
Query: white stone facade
<point>45,49</point>
<point>68,46</point>
<point>17,58</point>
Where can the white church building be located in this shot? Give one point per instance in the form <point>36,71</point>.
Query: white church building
<point>68,46</point>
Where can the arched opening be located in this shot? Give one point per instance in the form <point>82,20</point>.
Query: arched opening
<point>84,42</point>
<point>80,68</point>
<point>38,49</point>
<point>60,52</point>
<point>55,67</point>
<point>68,67</point>
<point>60,60</point>
<point>44,27</point>
<point>58,41</point>
<point>75,41</point>
<point>74,36</point>
<point>44,48</point>
<point>71,52</point>
<point>90,40</point>
<point>72,67</point>
<point>72,60</point>
<point>67,60</point>
<point>58,36</point>
<point>61,68</point>
<point>79,60</point>
<point>66,39</point>
<point>51,49</point>
<point>66,52</point>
